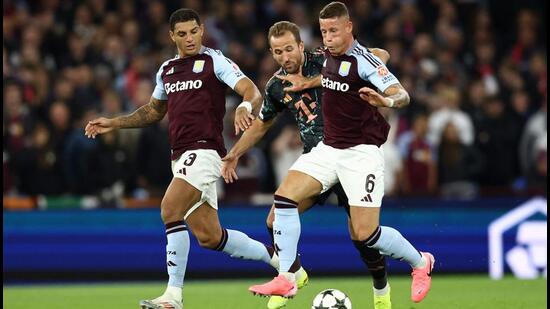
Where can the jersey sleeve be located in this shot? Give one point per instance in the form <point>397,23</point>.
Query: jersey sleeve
<point>225,69</point>
<point>159,92</point>
<point>271,105</point>
<point>372,69</point>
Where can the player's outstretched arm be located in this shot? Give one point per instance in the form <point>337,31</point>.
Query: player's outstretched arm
<point>299,82</point>
<point>252,99</point>
<point>381,53</point>
<point>249,138</point>
<point>147,114</point>
<point>394,96</point>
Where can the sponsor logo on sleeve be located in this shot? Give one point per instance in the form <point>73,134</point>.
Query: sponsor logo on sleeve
<point>382,70</point>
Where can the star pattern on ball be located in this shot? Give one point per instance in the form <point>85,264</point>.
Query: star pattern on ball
<point>340,304</point>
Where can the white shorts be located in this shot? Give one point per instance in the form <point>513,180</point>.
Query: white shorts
<point>360,170</point>
<point>201,168</point>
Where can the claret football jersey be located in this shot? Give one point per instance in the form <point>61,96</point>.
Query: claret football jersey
<point>348,119</point>
<point>194,88</point>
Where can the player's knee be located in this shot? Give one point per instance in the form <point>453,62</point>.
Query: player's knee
<point>363,232</point>
<point>169,214</point>
<point>281,191</point>
<point>207,239</point>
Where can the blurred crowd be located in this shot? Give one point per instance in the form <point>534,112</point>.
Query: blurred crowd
<point>476,72</point>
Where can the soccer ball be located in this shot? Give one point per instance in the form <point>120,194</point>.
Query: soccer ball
<point>331,299</point>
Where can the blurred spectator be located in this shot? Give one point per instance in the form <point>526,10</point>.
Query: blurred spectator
<point>76,157</point>
<point>60,119</point>
<point>38,165</point>
<point>458,166</point>
<point>393,164</point>
<point>16,117</point>
<point>7,163</point>
<point>540,178</point>
<point>530,146</point>
<point>497,138</point>
<point>393,169</point>
<point>419,170</point>
<point>447,101</point>
<point>153,157</point>
<point>109,164</point>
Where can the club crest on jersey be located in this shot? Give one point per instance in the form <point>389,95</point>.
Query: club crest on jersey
<point>198,66</point>
<point>382,71</point>
<point>344,68</point>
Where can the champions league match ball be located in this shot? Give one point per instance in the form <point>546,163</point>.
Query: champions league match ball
<point>331,299</point>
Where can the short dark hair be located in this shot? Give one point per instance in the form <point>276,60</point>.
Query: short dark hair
<point>183,15</point>
<point>280,28</point>
<point>334,9</point>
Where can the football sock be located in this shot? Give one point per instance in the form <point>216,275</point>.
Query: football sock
<point>376,263</point>
<point>172,292</point>
<point>286,228</point>
<point>381,292</point>
<point>297,263</point>
<point>270,232</point>
<point>239,245</point>
<point>177,251</point>
<point>390,242</point>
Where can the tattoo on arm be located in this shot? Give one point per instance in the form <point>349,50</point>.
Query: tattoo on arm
<point>399,95</point>
<point>149,113</point>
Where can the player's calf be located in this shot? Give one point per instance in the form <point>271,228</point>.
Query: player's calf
<point>376,263</point>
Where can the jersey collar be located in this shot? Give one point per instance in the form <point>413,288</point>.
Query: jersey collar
<point>353,46</point>
<point>201,51</point>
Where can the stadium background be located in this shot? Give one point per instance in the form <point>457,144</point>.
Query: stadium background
<point>471,146</point>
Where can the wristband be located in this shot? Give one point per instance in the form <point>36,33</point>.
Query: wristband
<point>246,105</point>
<point>390,102</point>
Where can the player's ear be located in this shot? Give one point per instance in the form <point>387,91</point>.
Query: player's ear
<point>349,27</point>
<point>301,46</point>
<point>202,29</point>
<point>172,36</point>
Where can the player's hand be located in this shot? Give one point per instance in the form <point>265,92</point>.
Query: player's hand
<point>298,82</point>
<point>99,126</point>
<point>229,165</point>
<point>372,97</point>
<point>243,119</point>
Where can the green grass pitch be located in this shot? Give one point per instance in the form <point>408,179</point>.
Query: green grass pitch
<point>448,291</point>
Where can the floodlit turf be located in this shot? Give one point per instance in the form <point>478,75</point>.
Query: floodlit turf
<point>461,292</point>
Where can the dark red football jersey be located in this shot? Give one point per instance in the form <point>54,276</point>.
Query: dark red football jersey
<point>349,120</point>
<point>194,88</point>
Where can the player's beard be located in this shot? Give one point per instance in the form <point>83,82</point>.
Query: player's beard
<point>291,67</point>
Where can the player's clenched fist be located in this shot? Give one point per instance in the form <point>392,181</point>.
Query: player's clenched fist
<point>99,126</point>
